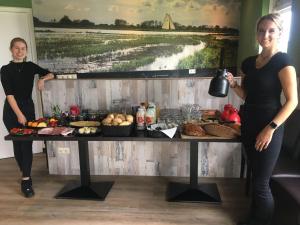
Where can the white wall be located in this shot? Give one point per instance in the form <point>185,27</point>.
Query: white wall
<point>14,22</point>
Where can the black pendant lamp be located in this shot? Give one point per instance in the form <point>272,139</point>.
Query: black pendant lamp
<point>219,85</point>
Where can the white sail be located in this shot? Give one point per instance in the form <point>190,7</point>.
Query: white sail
<point>168,23</point>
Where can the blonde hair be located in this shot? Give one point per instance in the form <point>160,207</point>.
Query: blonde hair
<point>274,17</point>
<point>16,39</point>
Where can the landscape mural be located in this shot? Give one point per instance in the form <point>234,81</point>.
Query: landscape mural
<point>136,35</point>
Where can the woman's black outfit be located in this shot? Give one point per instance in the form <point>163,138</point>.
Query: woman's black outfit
<point>17,79</point>
<point>263,89</point>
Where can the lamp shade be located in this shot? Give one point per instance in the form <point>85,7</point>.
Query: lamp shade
<point>219,85</point>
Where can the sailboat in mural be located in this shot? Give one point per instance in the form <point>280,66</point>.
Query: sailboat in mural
<point>168,23</point>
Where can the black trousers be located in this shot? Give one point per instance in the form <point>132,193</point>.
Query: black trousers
<point>262,163</point>
<point>22,149</point>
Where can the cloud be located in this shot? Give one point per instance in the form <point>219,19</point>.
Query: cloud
<point>113,8</point>
<point>76,7</point>
<point>179,4</point>
<point>70,7</point>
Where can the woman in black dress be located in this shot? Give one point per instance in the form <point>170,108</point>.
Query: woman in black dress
<point>17,79</point>
<point>264,77</point>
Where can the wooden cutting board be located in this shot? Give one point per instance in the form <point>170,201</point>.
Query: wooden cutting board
<point>183,136</point>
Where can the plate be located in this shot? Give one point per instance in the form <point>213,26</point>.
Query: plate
<point>97,133</point>
<point>22,131</point>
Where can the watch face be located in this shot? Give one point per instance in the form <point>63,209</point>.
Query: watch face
<point>273,125</point>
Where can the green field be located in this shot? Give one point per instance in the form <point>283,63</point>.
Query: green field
<point>126,52</point>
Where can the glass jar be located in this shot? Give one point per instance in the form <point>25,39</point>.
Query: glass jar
<point>150,115</point>
<point>140,118</point>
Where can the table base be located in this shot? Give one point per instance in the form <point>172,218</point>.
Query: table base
<point>94,191</point>
<point>180,192</point>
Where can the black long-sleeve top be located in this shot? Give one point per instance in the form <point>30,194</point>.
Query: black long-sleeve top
<point>18,78</point>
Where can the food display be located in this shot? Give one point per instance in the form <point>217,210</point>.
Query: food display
<point>200,123</point>
<point>21,131</point>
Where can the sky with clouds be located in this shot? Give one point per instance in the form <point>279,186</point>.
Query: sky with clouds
<point>186,12</point>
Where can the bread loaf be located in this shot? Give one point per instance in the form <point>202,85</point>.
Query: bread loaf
<point>193,130</point>
<point>220,130</point>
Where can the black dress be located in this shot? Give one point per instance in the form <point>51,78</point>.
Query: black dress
<point>263,90</point>
<point>17,79</point>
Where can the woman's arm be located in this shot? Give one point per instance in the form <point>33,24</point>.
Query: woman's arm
<point>238,89</point>
<point>288,81</point>
<point>41,81</point>
<point>14,105</point>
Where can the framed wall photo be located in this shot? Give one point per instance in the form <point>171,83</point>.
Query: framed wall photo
<point>136,37</point>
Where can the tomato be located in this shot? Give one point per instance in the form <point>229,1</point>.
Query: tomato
<point>27,131</point>
<point>15,130</point>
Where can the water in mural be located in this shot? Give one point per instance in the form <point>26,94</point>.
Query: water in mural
<point>107,36</point>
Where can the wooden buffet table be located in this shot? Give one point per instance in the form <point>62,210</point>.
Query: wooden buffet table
<point>85,189</point>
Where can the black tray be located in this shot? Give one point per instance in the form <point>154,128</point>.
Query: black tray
<point>156,134</point>
<point>117,131</point>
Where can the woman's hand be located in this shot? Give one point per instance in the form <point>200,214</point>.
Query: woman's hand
<point>41,84</point>
<point>231,80</point>
<point>22,119</point>
<point>264,138</point>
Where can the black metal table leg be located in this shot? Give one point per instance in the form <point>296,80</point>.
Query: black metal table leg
<point>193,192</point>
<point>85,189</point>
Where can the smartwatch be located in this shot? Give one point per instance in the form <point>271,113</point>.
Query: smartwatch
<point>273,125</point>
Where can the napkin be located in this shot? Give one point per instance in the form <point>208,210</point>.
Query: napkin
<point>163,128</point>
<point>170,132</point>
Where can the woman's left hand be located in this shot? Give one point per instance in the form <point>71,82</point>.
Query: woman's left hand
<point>264,138</point>
<point>41,84</point>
